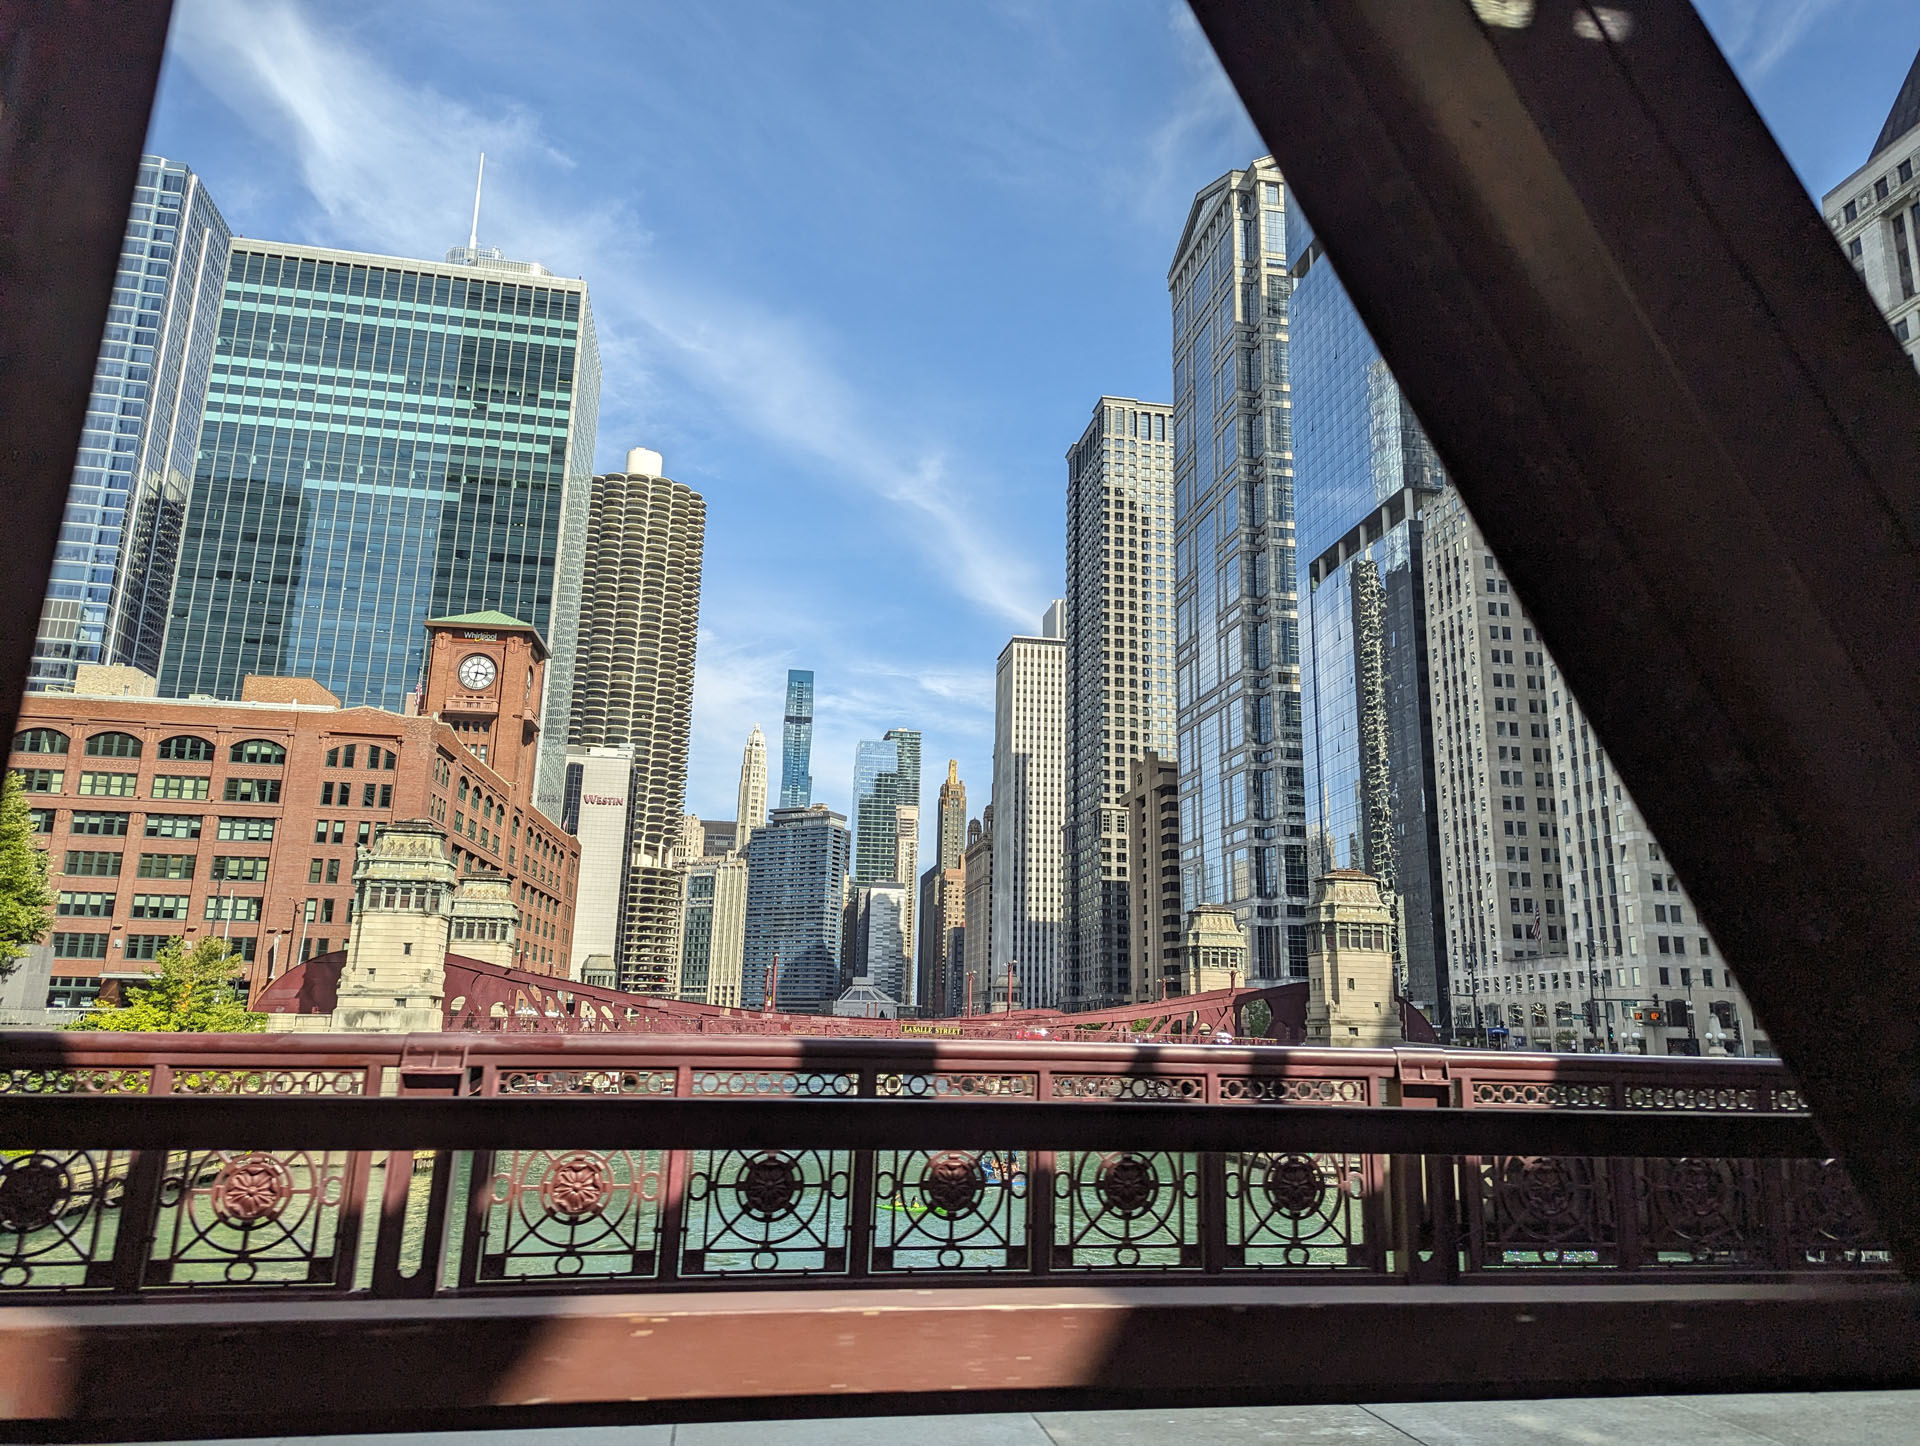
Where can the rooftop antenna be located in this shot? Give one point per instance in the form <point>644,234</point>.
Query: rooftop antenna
<point>473,236</point>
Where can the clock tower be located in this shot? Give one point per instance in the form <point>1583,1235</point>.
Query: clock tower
<point>485,672</point>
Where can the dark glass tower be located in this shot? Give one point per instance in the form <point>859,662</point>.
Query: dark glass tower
<point>796,742</point>
<point>1364,476</point>
<point>1243,805</point>
<point>385,441</point>
<point>120,537</point>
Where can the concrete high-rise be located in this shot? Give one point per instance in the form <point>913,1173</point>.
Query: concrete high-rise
<point>1153,827</point>
<point>796,741</point>
<point>120,536</point>
<point>942,915</point>
<point>386,440</point>
<point>1562,919</point>
<point>1875,215</point>
<point>1243,807</point>
<point>796,901</point>
<point>1502,891</point>
<point>1030,813</point>
<point>750,810</point>
<point>975,994</point>
<point>1364,473</point>
<point>906,872</point>
<point>640,614</point>
<point>952,818</point>
<point>598,812</point>
<point>713,930</point>
<point>1120,691</point>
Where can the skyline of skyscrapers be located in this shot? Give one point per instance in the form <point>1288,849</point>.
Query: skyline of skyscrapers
<point>113,568</point>
<point>1120,698</point>
<point>1242,781</point>
<point>384,439</point>
<point>796,741</point>
<point>1272,595</point>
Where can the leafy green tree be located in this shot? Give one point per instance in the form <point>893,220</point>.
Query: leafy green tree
<point>26,902</point>
<point>192,992</point>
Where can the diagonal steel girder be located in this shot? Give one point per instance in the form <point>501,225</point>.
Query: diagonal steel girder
<point>1687,433</point>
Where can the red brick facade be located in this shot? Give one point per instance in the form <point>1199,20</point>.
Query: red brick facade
<point>168,818</point>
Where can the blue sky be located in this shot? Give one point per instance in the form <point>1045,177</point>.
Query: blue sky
<point>859,271</point>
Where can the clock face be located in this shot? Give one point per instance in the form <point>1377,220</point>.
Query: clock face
<point>477,672</point>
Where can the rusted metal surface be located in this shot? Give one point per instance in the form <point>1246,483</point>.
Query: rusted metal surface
<point>1685,430</point>
<point>403,1167</point>
<point>289,1368</point>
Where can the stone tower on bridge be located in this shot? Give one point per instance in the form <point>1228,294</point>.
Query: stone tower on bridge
<point>1350,982</point>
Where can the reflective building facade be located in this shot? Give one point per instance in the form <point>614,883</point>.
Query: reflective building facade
<point>796,741</point>
<point>1364,473</point>
<point>1243,806</point>
<point>120,537</point>
<point>886,778</point>
<point>384,441</point>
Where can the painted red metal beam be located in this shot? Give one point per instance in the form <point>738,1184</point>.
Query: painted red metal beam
<point>76,79</point>
<point>602,1122</point>
<point>1692,441</point>
<point>297,1368</point>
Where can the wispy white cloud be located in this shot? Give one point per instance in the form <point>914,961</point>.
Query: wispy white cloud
<point>1758,34</point>
<point>1202,110</point>
<point>388,164</point>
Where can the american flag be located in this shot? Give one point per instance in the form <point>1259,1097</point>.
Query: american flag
<point>1533,927</point>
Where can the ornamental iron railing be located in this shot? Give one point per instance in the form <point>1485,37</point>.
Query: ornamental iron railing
<point>144,1167</point>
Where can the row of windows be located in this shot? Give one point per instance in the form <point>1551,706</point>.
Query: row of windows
<point>185,786</point>
<point>342,795</point>
<point>343,757</point>
<point>71,993</point>
<point>75,904</point>
<point>158,825</point>
<point>100,863</point>
<point>182,748</point>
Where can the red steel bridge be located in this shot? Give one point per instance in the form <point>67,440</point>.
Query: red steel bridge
<point>488,998</point>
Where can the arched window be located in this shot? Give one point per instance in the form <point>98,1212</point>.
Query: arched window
<point>113,745</point>
<point>185,748</point>
<point>40,740</point>
<point>257,750</point>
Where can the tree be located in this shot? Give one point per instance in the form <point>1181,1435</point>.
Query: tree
<point>192,992</point>
<point>26,902</point>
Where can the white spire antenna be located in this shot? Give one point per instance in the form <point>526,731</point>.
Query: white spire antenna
<point>473,236</point>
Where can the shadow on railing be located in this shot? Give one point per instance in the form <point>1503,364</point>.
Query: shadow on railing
<point>159,1214</point>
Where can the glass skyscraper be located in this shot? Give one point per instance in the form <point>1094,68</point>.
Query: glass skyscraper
<point>1237,653</point>
<point>1364,475</point>
<point>796,741</point>
<point>385,441</point>
<point>886,778</point>
<point>120,537</point>
<point>796,910</point>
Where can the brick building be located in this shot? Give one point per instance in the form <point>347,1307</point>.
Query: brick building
<point>186,818</point>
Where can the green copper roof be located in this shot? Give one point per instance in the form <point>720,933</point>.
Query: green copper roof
<point>489,619</point>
